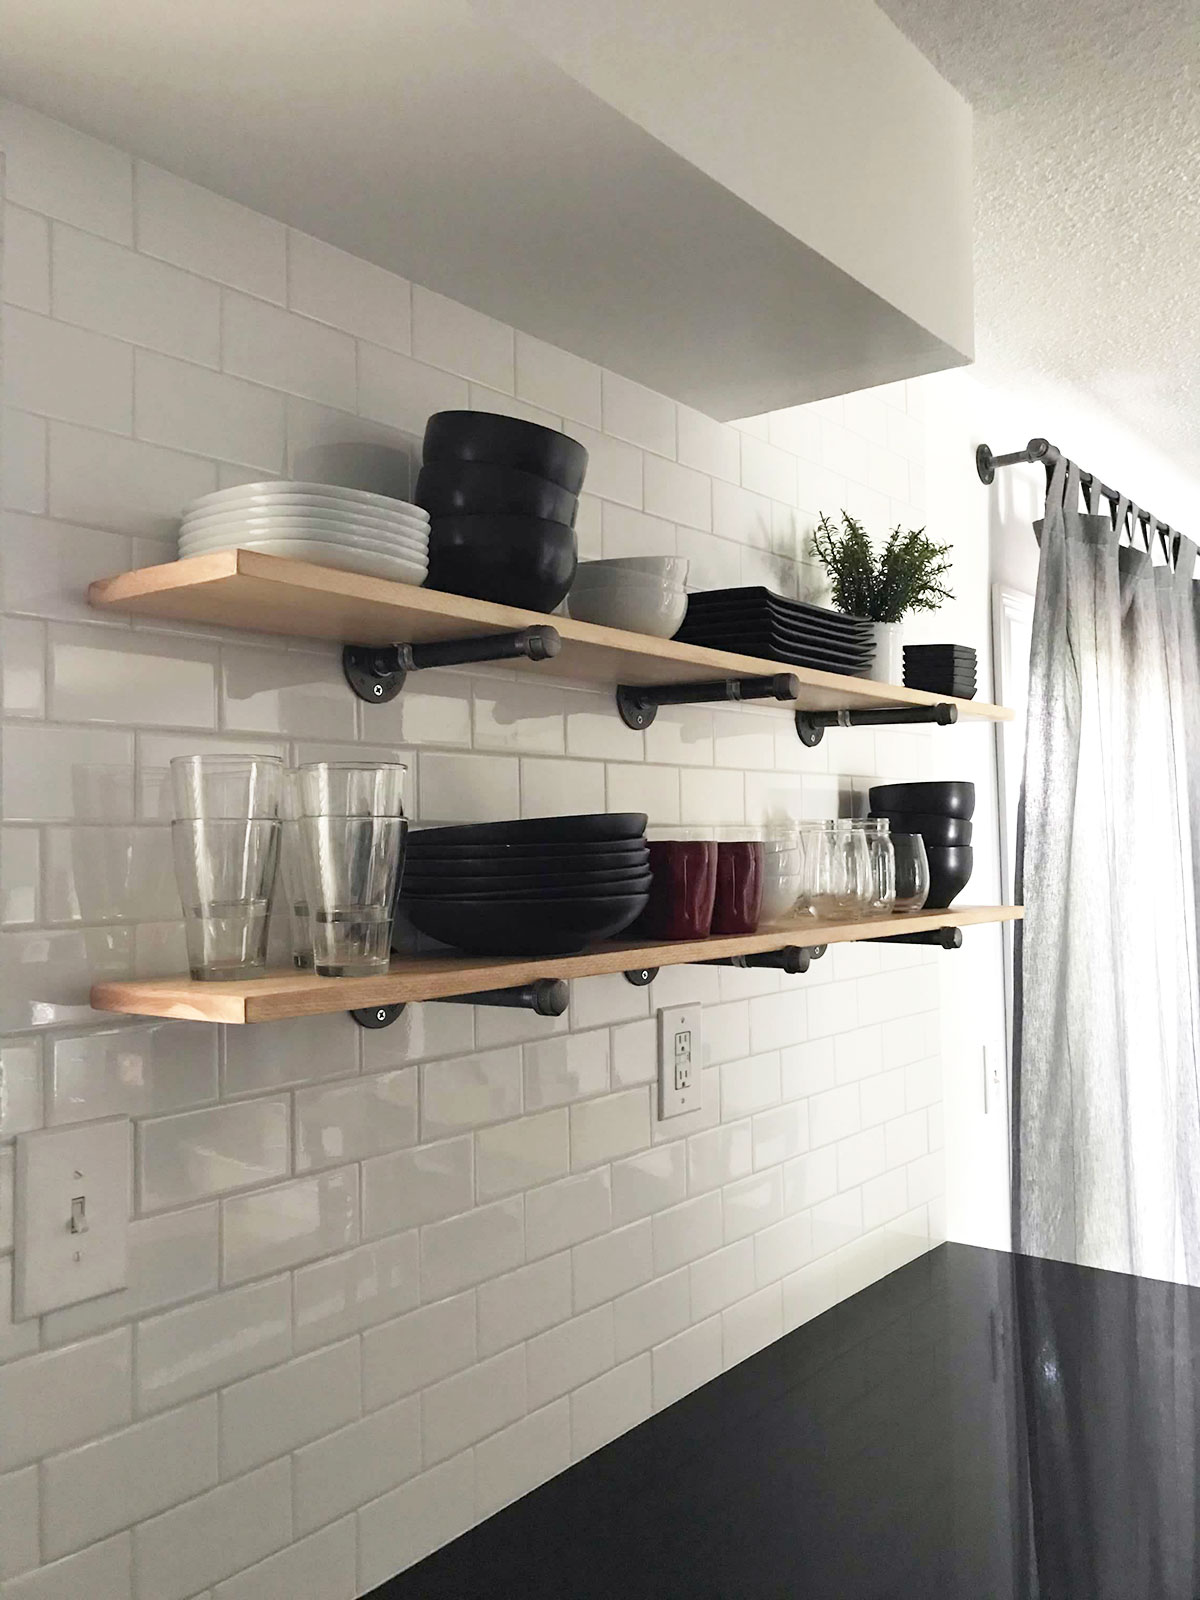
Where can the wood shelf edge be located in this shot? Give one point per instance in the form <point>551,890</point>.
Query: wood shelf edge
<point>281,995</point>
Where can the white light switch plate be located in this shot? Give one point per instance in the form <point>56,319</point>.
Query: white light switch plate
<point>72,1215</point>
<point>678,1061</point>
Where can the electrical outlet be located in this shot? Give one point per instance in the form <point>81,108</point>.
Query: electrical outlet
<point>679,1082</point>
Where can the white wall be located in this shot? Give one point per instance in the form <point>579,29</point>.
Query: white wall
<point>382,1283</point>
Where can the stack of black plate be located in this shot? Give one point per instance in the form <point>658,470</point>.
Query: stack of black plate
<point>754,622</point>
<point>546,886</point>
<point>940,668</point>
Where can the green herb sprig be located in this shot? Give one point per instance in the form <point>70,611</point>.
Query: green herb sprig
<point>905,576</point>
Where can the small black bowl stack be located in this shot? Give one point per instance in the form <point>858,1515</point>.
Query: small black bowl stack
<point>941,813</point>
<point>546,886</point>
<point>941,669</point>
<point>502,496</point>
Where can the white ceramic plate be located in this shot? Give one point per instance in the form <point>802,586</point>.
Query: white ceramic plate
<point>310,505</point>
<point>294,528</point>
<point>334,555</point>
<point>273,488</point>
<point>245,541</point>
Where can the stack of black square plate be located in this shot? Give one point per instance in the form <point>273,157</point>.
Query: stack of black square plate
<point>542,886</point>
<point>941,669</point>
<point>754,622</point>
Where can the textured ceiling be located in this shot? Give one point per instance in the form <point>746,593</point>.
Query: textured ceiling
<point>1087,234</point>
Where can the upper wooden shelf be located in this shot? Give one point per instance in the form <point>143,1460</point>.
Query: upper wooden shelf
<point>441,977</point>
<point>269,594</point>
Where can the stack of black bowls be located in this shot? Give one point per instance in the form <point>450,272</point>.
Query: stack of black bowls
<point>546,886</point>
<point>502,496</point>
<point>941,813</point>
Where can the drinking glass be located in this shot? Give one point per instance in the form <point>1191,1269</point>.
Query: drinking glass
<point>782,871</point>
<point>291,871</point>
<point>883,861</point>
<point>684,864</point>
<point>737,902</point>
<point>837,869</point>
<point>352,833</point>
<point>225,841</point>
<point>912,871</point>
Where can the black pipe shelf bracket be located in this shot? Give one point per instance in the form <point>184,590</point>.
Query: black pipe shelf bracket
<point>376,672</point>
<point>811,725</point>
<point>943,938</point>
<point>638,704</point>
<point>790,958</point>
<point>546,997</point>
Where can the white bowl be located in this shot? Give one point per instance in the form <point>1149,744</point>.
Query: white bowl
<point>674,569</point>
<point>274,488</point>
<point>624,582</point>
<point>326,533</point>
<point>652,608</point>
<point>368,562</point>
<point>310,506</point>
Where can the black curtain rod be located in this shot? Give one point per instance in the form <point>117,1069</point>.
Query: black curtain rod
<point>1049,455</point>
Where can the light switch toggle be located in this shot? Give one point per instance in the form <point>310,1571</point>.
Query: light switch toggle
<point>79,1221</point>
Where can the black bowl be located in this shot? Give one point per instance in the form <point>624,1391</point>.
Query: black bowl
<point>517,561</point>
<point>949,874</point>
<point>952,798</point>
<point>514,874</point>
<point>534,893</point>
<point>472,488</point>
<point>590,827</point>
<point>524,927</point>
<point>942,831</point>
<point>508,441</point>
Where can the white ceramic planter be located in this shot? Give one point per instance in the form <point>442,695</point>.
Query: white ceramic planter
<point>888,664</point>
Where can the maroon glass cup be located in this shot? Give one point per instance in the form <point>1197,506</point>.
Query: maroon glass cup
<point>681,895</point>
<point>737,903</point>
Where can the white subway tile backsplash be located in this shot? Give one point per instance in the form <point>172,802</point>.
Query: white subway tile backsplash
<point>411,1352</point>
<point>408,1187</point>
<point>21,1106</point>
<point>64,1397</point>
<point>347,1121</point>
<point>216,1341</point>
<point>465,1250</point>
<point>665,1255</point>
<point>117,1481</point>
<point>518,1458</point>
<point>284,351</point>
<point>211,413</point>
<point>66,372</point>
<point>180,222</point>
<point>214,1535</point>
<point>105,1572</point>
<point>19,1548</point>
<point>278,1411</point>
<point>472,1404</point>
<point>274,1229</point>
<point>331,286</point>
<point>202,1153</point>
<point>356,1290</point>
<point>16,1338</point>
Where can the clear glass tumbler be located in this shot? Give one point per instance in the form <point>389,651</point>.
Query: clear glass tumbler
<point>883,861</point>
<point>837,869</point>
<point>783,873</point>
<point>912,871</point>
<point>291,871</point>
<point>352,833</point>
<point>225,841</point>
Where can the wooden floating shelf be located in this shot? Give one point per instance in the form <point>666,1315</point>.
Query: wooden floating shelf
<point>298,994</point>
<point>270,594</point>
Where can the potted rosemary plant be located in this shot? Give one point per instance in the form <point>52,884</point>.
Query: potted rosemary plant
<point>905,575</point>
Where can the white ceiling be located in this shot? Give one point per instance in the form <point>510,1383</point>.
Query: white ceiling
<point>1087,147</point>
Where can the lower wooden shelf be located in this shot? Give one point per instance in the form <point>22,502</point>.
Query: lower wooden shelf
<point>298,994</point>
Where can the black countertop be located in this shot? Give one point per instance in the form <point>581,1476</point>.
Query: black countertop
<point>976,1426</point>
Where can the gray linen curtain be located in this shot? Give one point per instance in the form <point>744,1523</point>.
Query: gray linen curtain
<point>1107,1113</point>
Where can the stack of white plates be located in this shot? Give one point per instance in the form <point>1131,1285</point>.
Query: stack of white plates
<point>317,522</point>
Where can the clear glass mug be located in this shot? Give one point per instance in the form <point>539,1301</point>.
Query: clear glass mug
<point>783,871</point>
<point>837,870</point>
<point>883,861</point>
<point>225,840</point>
<point>912,871</point>
<point>351,834</point>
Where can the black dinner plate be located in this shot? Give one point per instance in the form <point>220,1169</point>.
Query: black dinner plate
<point>524,928</point>
<point>774,648</point>
<point>587,828</point>
<point>564,868</point>
<point>532,893</point>
<point>756,594</point>
<point>800,635</point>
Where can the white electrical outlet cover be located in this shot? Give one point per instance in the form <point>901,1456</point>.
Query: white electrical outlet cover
<point>679,1060</point>
<point>80,1171</point>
